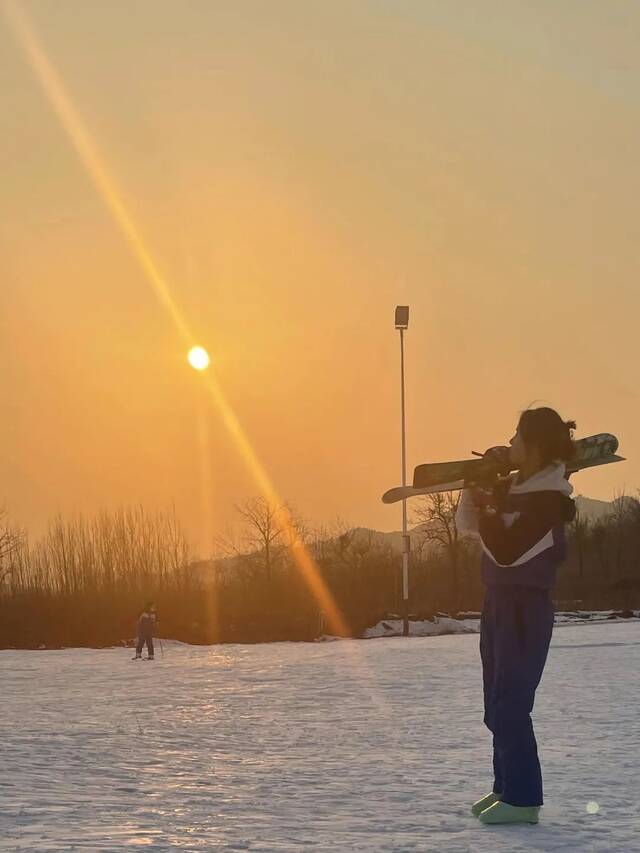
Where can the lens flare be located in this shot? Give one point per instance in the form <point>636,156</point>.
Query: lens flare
<point>107,189</point>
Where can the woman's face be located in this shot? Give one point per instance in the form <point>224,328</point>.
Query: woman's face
<point>518,450</point>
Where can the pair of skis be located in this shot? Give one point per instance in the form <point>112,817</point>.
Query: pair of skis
<point>428,479</point>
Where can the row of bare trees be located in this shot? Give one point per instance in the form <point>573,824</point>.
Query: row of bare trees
<point>86,579</point>
<point>603,566</point>
<point>127,548</point>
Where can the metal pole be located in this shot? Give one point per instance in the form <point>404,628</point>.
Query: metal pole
<point>405,535</point>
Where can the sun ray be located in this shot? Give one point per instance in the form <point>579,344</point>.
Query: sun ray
<point>91,159</point>
<point>107,189</point>
<point>303,559</point>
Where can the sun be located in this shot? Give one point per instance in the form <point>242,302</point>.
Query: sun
<point>198,358</point>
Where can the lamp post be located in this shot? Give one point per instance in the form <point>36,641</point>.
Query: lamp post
<point>402,323</point>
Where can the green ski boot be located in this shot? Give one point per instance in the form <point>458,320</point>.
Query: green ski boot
<point>480,805</point>
<point>504,813</point>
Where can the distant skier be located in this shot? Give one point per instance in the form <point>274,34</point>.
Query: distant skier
<point>146,624</point>
<point>520,523</point>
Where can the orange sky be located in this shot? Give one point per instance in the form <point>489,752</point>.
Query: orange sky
<point>296,170</point>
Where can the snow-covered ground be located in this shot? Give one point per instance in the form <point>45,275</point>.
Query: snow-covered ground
<point>446,625</point>
<point>344,746</point>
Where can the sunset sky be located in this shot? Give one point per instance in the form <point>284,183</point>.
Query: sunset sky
<point>294,170</point>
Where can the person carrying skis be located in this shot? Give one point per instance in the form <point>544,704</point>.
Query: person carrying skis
<point>520,523</point>
<point>146,624</point>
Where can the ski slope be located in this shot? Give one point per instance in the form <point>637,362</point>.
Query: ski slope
<point>341,746</point>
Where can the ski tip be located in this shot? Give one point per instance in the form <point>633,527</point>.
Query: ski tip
<point>402,493</point>
<point>399,493</point>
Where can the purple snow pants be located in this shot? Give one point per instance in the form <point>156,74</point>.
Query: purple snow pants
<point>515,633</point>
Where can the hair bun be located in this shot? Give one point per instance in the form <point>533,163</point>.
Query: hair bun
<point>544,428</point>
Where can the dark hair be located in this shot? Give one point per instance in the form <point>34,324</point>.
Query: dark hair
<point>544,428</point>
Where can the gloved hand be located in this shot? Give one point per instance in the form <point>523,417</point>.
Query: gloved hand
<point>500,455</point>
<point>482,498</point>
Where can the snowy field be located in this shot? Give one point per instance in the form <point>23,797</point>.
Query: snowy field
<point>341,746</point>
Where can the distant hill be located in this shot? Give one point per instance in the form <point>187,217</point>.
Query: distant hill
<point>595,510</point>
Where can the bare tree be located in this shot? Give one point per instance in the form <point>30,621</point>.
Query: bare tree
<point>11,540</point>
<point>268,529</point>
<point>436,515</point>
<point>600,541</point>
<point>621,516</point>
<point>580,526</point>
